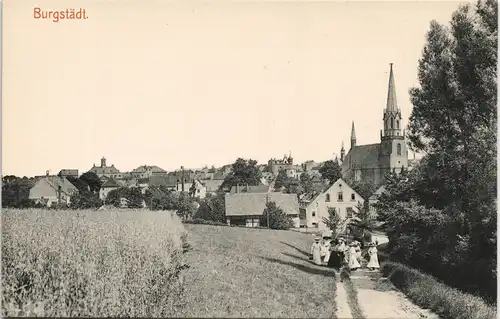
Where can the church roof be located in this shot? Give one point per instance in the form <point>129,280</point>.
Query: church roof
<point>365,155</point>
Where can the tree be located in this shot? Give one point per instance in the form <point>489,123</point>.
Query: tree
<point>306,182</point>
<point>85,200</point>
<point>443,215</point>
<point>281,180</point>
<point>185,206</point>
<point>135,197</point>
<point>363,220</point>
<point>278,219</point>
<point>335,222</point>
<point>81,185</point>
<point>331,171</point>
<point>243,172</point>
<point>212,207</point>
<point>16,191</point>
<point>114,196</point>
<point>192,189</point>
<point>91,179</point>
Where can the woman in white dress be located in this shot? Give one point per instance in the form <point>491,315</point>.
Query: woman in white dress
<point>316,251</point>
<point>373,254</point>
<point>353,257</point>
<point>327,247</point>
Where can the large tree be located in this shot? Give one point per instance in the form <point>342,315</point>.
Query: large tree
<point>453,122</point>
<point>91,179</point>
<point>331,171</point>
<point>243,172</point>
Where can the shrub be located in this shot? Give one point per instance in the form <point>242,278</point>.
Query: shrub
<point>427,292</point>
<point>91,263</point>
<point>278,219</point>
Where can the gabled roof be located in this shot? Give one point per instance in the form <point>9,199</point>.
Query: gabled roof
<point>110,183</point>
<point>145,168</point>
<point>365,155</point>
<point>212,185</point>
<point>344,185</point>
<point>246,204</point>
<point>105,170</point>
<point>251,189</point>
<point>55,181</point>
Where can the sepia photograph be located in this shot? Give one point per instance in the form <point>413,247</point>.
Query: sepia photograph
<point>249,159</point>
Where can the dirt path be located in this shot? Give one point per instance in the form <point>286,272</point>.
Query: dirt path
<point>378,298</point>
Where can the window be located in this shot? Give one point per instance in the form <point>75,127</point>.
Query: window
<point>353,197</point>
<point>315,225</point>
<point>349,212</point>
<point>399,149</point>
<point>313,214</point>
<point>340,197</point>
<point>197,190</point>
<point>397,124</point>
<point>327,198</point>
<point>392,123</point>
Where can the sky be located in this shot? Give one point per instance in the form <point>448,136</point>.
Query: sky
<point>192,84</point>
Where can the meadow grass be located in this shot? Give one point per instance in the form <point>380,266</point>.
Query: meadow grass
<point>427,292</point>
<point>249,273</point>
<point>91,263</point>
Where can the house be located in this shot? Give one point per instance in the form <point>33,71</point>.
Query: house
<point>339,196</point>
<point>249,189</point>
<point>68,173</point>
<point>247,208</point>
<point>375,198</point>
<point>51,190</point>
<point>372,162</point>
<point>106,171</point>
<point>309,165</point>
<point>107,187</point>
<point>212,185</point>
<point>276,165</point>
<point>146,171</point>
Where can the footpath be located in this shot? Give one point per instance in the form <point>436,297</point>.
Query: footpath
<point>376,298</point>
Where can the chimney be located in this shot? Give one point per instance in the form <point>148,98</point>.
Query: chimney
<point>103,162</point>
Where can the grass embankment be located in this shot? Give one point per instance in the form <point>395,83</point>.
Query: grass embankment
<point>427,292</point>
<point>244,272</point>
<point>352,294</point>
<point>91,263</point>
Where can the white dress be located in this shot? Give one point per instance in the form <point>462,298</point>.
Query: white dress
<point>353,258</point>
<point>327,250</point>
<point>316,253</point>
<point>373,263</point>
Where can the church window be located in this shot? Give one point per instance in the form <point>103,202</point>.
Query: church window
<point>327,197</point>
<point>340,197</point>
<point>399,149</point>
<point>385,125</point>
<point>397,124</point>
<point>392,123</point>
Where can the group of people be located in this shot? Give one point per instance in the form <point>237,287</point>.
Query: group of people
<point>338,253</point>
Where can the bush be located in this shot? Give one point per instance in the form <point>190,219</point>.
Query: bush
<point>278,219</point>
<point>91,263</point>
<point>427,292</point>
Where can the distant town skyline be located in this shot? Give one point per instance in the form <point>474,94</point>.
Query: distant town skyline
<point>195,85</point>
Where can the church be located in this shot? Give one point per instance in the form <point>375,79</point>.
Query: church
<point>371,162</point>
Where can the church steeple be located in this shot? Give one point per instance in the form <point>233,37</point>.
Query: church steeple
<point>392,113</point>
<point>353,136</point>
<point>342,152</point>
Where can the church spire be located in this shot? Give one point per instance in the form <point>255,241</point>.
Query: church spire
<point>353,136</point>
<point>342,152</point>
<point>392,103</point>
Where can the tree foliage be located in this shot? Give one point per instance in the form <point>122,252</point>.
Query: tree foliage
<point>16,191</point>
<point>212,207</point>
<point>331,171</point>
<point>91,179</point>
<point>335,222</point>
<point>278,219</point>
<point>442,216</point>
<point>243,172</point>
<point>85,199</point>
